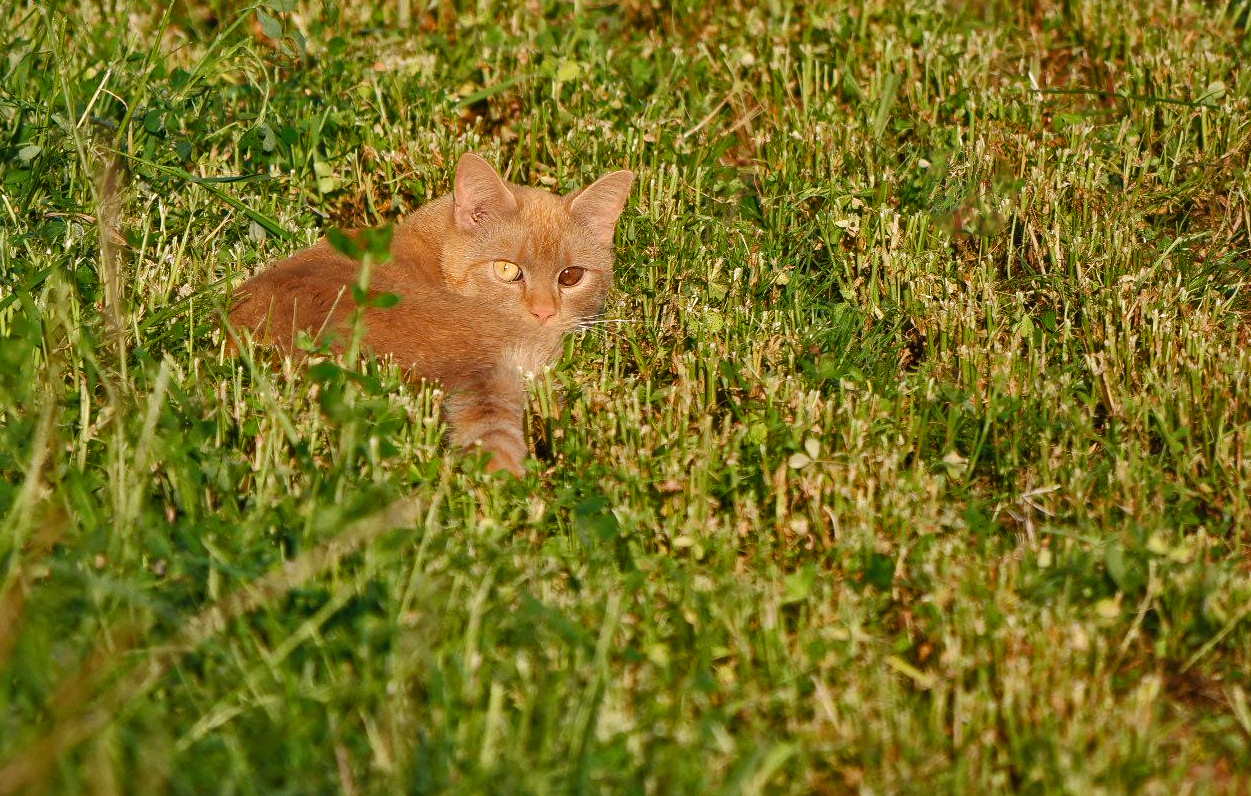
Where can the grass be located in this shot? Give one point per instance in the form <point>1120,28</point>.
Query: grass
<point>918,462</point>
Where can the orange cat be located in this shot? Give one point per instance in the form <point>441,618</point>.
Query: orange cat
<point>490,278</point>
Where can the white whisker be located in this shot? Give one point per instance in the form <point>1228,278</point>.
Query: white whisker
<point>603,323</point>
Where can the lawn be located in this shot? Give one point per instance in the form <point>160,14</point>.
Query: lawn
<point>916,459</point>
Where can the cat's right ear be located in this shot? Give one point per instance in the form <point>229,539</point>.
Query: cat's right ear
<point>599,204</point>
<point>479,193</point>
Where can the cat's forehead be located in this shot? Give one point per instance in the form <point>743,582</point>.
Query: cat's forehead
<point>542,212</point>
<point>545,230</point>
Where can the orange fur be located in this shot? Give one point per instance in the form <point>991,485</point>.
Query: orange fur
<point>457,322</point>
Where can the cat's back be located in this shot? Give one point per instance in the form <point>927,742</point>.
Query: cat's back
<point>432,330</point>
<point>296,293</point>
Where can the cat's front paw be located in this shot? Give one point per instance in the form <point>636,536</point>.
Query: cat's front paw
<point>502,461</point>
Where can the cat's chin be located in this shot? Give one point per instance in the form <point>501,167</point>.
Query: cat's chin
<point>531,356</point>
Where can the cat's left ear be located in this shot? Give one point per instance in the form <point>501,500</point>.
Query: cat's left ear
<point>599,204</point>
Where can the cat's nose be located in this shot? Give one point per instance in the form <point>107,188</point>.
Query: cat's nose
<point>543,312</point>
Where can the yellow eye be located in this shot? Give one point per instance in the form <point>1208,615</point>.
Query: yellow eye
<point>506,270</point>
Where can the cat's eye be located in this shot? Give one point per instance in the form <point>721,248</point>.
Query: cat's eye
<point>507,270</point>
<point>571,276</point>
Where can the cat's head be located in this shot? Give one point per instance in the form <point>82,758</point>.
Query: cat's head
<point>546,258</point>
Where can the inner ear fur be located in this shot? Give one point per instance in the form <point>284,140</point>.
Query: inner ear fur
<point>599,204</point>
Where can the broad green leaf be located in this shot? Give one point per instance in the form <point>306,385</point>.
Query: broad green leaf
<point>386,300</point>
<point>341,242</point>
<point>377,242</point>
<point>269,26</point>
